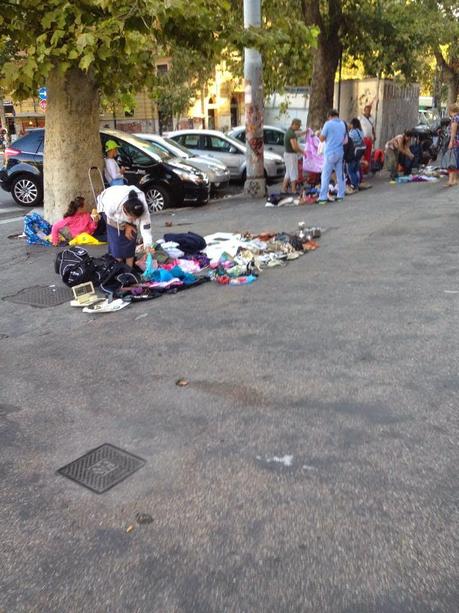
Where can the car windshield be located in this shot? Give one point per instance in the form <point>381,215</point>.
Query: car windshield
<point>150,147</point>
<point>236,143</point>
<point>182,151</point>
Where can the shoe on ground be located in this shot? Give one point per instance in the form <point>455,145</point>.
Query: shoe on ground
<point>392,182</point>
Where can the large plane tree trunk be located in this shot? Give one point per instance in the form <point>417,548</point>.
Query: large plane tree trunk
<point>325,63</point>
<point>449,69</point>
<point>453,87</point>
<point>327,15</point>
<point>72,141</point>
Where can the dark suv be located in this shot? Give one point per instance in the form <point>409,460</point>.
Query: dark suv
<point>166,180</point>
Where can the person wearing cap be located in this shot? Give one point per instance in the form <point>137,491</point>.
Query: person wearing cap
<point>292,149</point>
<point>113,172</point>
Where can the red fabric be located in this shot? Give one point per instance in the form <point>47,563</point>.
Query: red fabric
<point>300,171</point>
<point>369,146</point>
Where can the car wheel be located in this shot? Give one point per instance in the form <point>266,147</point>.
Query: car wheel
<point>26,191</point>
<point>158,198</point>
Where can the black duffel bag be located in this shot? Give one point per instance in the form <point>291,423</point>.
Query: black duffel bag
<point>75,266</point>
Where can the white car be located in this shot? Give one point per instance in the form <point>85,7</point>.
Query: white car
<point>273,137</point>
<point>228,150</point>
<point>218,173</point>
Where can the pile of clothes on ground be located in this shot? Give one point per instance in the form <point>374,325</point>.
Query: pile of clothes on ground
<point>179,262</point>
<point>427,174</point>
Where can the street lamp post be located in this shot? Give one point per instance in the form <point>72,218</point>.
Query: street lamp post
<point>255,185</point>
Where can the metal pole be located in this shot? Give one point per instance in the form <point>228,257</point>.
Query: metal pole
<point>255,185</point>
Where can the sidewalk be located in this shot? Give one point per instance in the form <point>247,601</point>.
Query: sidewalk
<point>310,464</point>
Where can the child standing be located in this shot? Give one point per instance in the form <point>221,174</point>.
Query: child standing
<point>114,174</point>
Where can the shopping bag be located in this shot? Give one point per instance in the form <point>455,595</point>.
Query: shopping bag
<point>449,159</point>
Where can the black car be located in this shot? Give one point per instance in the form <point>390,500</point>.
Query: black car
<point>166,180</point>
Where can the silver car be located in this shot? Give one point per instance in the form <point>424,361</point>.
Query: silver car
<point>273,137</point>
<point>217,172</point>
<point>228,150</point>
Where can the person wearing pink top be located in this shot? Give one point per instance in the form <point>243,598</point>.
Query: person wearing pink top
<point>76,220</point>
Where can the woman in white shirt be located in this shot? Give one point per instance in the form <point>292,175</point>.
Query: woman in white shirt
<point>113,172</point>
<point>125,210</point>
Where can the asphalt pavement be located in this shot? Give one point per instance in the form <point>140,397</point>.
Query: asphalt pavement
<point>310,465</point>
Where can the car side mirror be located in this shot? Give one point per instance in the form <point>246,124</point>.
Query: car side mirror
<point>233,150</point>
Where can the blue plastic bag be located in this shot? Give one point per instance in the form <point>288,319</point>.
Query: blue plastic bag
<point>36,230</point>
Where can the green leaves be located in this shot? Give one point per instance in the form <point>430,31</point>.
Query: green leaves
<point>119,41</point>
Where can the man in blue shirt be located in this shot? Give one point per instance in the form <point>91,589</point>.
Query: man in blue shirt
<point>334,135</point>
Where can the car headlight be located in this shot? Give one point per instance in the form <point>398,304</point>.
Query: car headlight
<point>195,177</point>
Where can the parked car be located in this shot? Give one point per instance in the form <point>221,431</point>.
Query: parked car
<point>218,173</point>
<point>227,149</point>
<point>273,137</point>
<point>166,181</point>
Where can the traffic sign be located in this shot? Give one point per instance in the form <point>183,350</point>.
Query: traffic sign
<point>42,93</point>
<point>42,104</point>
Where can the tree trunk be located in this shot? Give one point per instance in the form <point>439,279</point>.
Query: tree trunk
<point>72,141</point>
<point>453,87</point>
<point>326,59</point>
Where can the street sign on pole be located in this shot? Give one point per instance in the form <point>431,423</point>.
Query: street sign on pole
<point>255,185</point>
<point>42,93</point>
<point>42,104</point>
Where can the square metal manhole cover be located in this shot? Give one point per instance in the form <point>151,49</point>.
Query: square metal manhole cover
<point>102,468</point>
<point>42,296</point>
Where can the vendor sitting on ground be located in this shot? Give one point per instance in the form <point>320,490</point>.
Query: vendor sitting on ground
<point>114,173</point>
<point>397,152</point>
<point>125,209</point>
<point>76,220</point>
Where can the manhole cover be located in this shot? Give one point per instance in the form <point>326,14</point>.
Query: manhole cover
<point>41,296</point>
<point>102,468</point>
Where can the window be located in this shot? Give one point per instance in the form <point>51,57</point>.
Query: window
<point>241,136</point>
<point>273,137</point>
<point>215,143</point>
<point>162,69</point>
<point>191,141</point>
<point>30,143</point>
<point>134,156</point>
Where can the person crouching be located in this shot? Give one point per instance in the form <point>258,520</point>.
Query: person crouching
<point>125,210</point>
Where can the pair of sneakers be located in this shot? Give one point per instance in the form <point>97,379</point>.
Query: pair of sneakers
<point>330,200</point>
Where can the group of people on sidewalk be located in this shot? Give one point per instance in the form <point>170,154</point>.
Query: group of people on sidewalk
<point>336,150</point>
<point>339,148</point>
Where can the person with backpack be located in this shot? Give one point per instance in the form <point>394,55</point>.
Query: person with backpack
<point>75,221</point>
<point>125,210</point>
<point>334,134</point>
<point>356,136</point>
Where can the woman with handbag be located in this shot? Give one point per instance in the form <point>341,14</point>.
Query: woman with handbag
<point>453,145</point>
